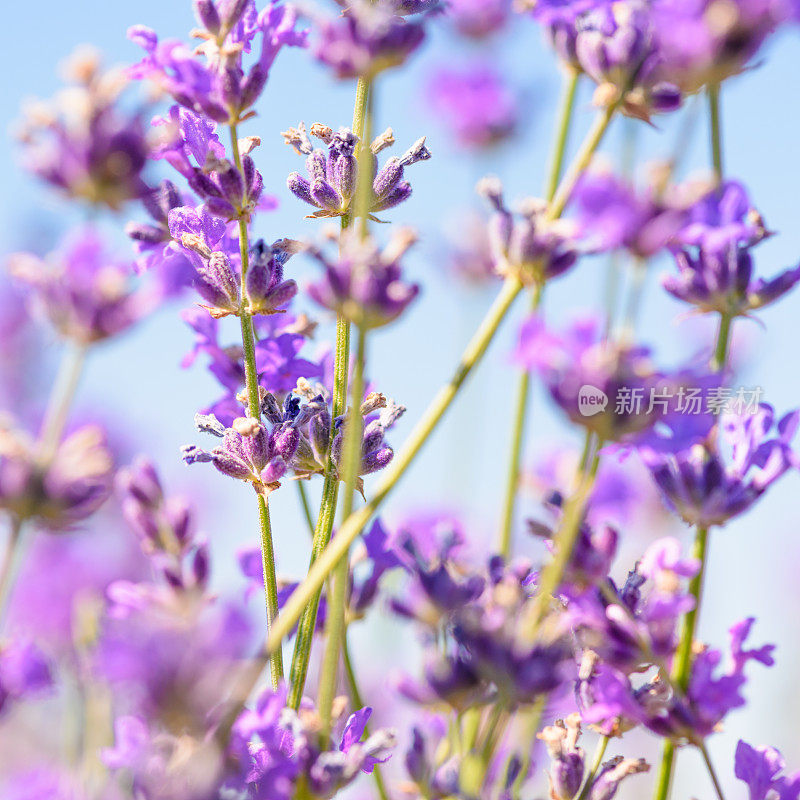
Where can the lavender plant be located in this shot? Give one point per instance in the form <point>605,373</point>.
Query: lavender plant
<point>177,690</point>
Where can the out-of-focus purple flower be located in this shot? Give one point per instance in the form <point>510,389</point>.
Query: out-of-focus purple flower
<point>367,38</point>
<point>528,244</point>
<point>84,292</point>
<point>691,718</point>
<point>478,18</point>
<point>365,284</point>
<point>762,768</point>
<point>153,240</point>
<point>715,266</point>
<point>66,488</point>
<point>702,42</point>
<point>48,784</point>
<point>476,103</point>
<point>615,45</point>
<point>616,215</point>
<point>614,388</point>
<point>83,142</point>
<point>706,487</point>
<point>212,81</point>
<point>24,672</point>
<point>468,251</point>
<point>333,179</point>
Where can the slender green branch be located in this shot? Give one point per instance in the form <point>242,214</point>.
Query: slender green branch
<point>337,607</point>
<point>306,506</point>
<point>61,397</point>
<point>358,702</point>
<point>664,779</point>
<point>563,124</point>
<point>716,131</point>
<point>723,342</point>
<point>711,771</point>
<point>596,762</point>
<point>567,533</point>
<point>254,410</point>
<point>330,486</point>
<point>9,565</point>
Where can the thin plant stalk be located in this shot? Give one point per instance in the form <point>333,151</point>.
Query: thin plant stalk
<point>254,410</point>
<point>358,702</point>
<point>599,754</point>
<point>682,668</point>
<point>523,386</point>
<point>337,607</point>
<point>330,486</point>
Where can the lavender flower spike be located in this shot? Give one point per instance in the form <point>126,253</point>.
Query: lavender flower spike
<point>332,179</point>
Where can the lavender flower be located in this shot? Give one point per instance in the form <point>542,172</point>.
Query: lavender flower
<point>616,215</point>
<point>62,491</point>
<point>84,292</point>
<point>367,38</point>
<point>528,245</point>
<point>702,43</point>
<point>477,19</point>
<point>478,105</point>
<point>705,488</point>
<point>218,85</point>
<point>24,672</point>
<point>365,285</point>
<point>333,180</point>
<point>761,768</point>
<point>614,389</point>
<point>615,45</point>
<point>83,142</point>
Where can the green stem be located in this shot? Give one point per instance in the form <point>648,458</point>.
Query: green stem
<point>716,131</point>
<point>682,667</point>
<point>567,534</point>
<point>353,525</point>
<point>596,762</point>
<point>563,125</point>
<point>337,607</point>
<point>665,771</point>
<point>254,410</point>
<point>723,341</point>
<point>330,485</point>
<point>61,397</point>
<point>712,772</point>
<point>565,113</point>
<point>309,517</point>
<point>10,565</point>
<point>358,702</point>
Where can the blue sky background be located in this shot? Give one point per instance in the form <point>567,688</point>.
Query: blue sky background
<point>754,562</point>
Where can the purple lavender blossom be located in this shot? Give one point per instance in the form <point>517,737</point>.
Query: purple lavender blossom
<point>705,488</point>
<point>83,142</point>
<point>476,103</point>
<point>24,672</point>
<point>702,43</point>
<point>616,215</point>
<point>367,38</point>
<point>213,80</point>
<point>613,388</point>
<point>762,769</point>
<point>527,245</point>
<point>84,292</point>
<point>333,179</point>
<point>72,484</point>
<point>478,18</point>
<point>366,284</point>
